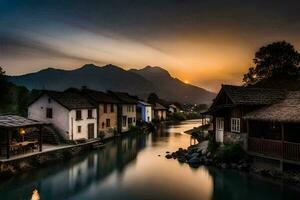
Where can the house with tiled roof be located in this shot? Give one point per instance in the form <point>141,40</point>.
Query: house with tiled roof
<point>126,110</point>
<point>74,116</point>
<point>107,111</point>
<point>231,105</point>
<point>159,112</point>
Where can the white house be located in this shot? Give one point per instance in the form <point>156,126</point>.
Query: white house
<point>173,109</point>
<point>71,113</point>
<point>144,111</point>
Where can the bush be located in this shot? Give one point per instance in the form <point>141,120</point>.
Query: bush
<point>231,153</point>
<point>212,144</point>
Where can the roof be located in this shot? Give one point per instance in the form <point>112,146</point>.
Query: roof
<point>100,97</point>
<point>68,99</point>
<point>241,95</point>
<point>287,110</point>
<point>124,97</point>
<point>15,121</point>
<point>158,106</point>
<point>144,103</point>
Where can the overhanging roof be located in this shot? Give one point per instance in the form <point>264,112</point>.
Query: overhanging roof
<point>15,121</point>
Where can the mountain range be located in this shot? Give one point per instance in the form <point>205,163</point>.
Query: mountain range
<point>139,82</point>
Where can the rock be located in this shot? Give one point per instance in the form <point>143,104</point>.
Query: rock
<point>208,154</point>
<point>199,150</point>
<point>174,155</point>
<point>168,156</point>
<point>194,162</point>
<point>167,152</point>
<point>159,155</point>
<point>181,159</point>
<point>224,166</point>
<point>204,151</point>
<point>233,165</point>
<point>195,155</point>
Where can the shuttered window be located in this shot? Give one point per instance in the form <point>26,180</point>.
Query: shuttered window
<point>235,125</point>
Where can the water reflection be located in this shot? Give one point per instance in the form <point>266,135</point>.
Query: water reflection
<point>131,168</point>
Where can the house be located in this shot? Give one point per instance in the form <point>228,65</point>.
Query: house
<point>126,110</point>
<point>144,111</point>
<point>173,109</point>
<point>71,113</point>
<point>107,113</point>
<point>230,106</point>
<point>159,112</point>
<point>273,131</point>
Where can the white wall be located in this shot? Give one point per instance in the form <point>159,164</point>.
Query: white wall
<point>60,118</point>
<point>73,124</point>
<point>146,112</point>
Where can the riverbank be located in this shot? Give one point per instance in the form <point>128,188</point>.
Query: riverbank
<point>199,155</point>
<point>25,163</point>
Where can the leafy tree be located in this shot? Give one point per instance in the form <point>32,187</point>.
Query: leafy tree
<point>276,59</point>
<point>153,98</point>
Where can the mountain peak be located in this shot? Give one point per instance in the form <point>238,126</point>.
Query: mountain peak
<point>89,66</point>
<point>155,70</point>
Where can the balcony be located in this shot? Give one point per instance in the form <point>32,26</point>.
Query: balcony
<point>274,148</point>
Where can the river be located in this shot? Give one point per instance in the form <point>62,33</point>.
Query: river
<point>134,168</point>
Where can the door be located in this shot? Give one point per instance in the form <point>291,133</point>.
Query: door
<point>219,129</point>
<point>91,133</point>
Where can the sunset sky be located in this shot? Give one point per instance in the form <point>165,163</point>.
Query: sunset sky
<point>203,42</point>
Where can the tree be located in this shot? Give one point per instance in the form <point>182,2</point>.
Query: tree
<point>152,98</point>
<point>3,87</point>
<point>276,59</point>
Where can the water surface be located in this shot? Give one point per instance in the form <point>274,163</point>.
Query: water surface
<point>130,168</point>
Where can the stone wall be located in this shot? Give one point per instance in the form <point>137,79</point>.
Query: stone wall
<point>235,138</point>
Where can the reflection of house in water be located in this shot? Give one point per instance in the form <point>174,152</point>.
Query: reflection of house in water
<point>67,180</point>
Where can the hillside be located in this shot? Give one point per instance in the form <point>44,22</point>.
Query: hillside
<point>110,77</point>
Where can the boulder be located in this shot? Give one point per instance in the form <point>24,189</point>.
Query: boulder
<point>181,159</point>
<point>224,166</point>
<point>168,156</point>
<point>194,162</point>
<point>208,154</point>
<point>195,155</point>
<point>204,151</point>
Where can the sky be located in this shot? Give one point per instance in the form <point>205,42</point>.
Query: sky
<point>202,42</point>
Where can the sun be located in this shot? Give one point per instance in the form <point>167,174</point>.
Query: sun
<point>186,82</point>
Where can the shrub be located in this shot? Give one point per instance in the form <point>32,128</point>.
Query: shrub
<point>212,144</point>
<point>231,153</point>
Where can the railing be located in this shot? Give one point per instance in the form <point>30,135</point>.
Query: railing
<point>275,148</point>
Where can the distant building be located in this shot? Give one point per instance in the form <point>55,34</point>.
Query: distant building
<point>107,111</point>
<point>126,110</point>
<point>159,112</point>
<point>173,109</point>
<point>144,111</point>
<point>71,113</point>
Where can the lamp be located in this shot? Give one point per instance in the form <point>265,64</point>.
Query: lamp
<point>22,133</point>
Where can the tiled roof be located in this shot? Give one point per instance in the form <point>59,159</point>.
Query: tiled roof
<point>158,106</point>
<point>100,97</point>
<point>70,99</point>
<point>253,96</point>
<point>287,110</point>
<point>15,121</point>
<point>124,97</point>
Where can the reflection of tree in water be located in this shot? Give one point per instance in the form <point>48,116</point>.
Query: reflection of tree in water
<point>229,184</point>
<point>67,179</point>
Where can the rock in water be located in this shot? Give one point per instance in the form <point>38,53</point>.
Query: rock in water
<point>194,162</point>
<point>168,156</point>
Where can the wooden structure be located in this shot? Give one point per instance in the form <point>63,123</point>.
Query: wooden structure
<point>233,103</point>
<point>10,124</point>
<point>274,130</point>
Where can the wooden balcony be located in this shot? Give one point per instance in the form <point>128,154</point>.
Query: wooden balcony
<point>274,148</point>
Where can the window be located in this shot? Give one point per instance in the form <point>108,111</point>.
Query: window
<point>78,129</point>
<point>129,121</point>
<point>49,113</point>
<point>235,125</point>
<point>124,119</point>
<point>107,122</point>
<point>78,115</point>
<point>112,108</point>
<point>105,108</point>
<point>90,114</point>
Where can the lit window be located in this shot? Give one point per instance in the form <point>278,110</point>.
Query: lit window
<point>235,125</point>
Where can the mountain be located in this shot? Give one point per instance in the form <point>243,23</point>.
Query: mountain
<point>109,77</point>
